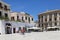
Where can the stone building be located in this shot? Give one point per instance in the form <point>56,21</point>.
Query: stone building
<point>13,22</point>
<point>22,16</point>
<point>49,19</point>
<point>4,10</point>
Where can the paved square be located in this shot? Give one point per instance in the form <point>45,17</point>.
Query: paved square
<point>52,35</point>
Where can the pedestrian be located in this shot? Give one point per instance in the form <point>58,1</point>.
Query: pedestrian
<point>22,31</point>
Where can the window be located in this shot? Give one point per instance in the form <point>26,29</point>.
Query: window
<point>50,19</point>
<point>29,19</point>
<point>1,5</point>
<point>55,24</point>
<point>59,18</point>
<point>42,25</point>
<point>38,17</point>
<point>26,18</point>
<point>12,18</point>
<point>8,24</point>
<point>41,19</point>
<point>39,25</point>
<point>50,24</point>
<point>59,13</point>
<point>55,14</point>
<point>42,16</point>
<point>22,18</point>
<point>17,17</point>
<point>32,19</point>
<point>6,15</point>
<point>5,7</point>
<point>0,13</point>
<point>59,23</point>
<point>45,19</point>
<point>50,15</point>
<point>19,28</point>
<point>55,19</point>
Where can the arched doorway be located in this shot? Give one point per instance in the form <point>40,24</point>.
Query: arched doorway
<point>8,29</point>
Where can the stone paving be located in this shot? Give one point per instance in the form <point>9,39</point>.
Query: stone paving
<point>52,35</point>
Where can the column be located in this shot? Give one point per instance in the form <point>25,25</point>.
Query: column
<point>57,19</point>
<point>12,30</point>
<point>52,19</point>
<point>24,18</point>
<point>43,18</point>
<point>43,22</point>
<point>48,20</point>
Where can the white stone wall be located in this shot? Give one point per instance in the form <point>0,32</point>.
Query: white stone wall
<point>58,19</point>
<point>15,14</point>
<point>2,27</point>
<point>53,21</point>
<point>14,25</point>
<point>4,11</point>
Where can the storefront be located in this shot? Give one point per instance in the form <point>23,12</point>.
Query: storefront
<point>15,27</point>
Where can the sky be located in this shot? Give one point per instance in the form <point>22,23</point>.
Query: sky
<point>33,7</point>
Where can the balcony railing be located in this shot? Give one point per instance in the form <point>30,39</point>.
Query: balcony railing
<point>1,7</point>
<point>4,18</point>
<point>6,9</point>
<point>18,20</point>
<point>1,18</point>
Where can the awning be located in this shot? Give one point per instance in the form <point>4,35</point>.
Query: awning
<point>52,27</point>
<point>20,24</point>
<point>34,28</point>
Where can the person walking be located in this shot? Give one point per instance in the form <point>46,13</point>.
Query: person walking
<point>23,31</point>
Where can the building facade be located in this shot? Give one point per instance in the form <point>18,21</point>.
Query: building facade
<point>22,16</point>
<point>10,27</point>
<point>4,10</point>
<point>4,15</point>
<point>49,19</point>
<point>13,22</point>
<point>36,23</point>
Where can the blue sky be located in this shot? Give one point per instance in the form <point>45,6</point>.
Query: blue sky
<point>33,7</point>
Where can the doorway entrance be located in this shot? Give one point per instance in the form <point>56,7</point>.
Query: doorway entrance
<point>8,30</point>
<point>14,30</point>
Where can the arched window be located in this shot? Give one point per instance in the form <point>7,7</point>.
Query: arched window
<point>6,15</point>
<point>0,13</point>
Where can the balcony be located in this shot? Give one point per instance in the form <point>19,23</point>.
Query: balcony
<point>1,17</point>
<point>1,7</point>
<point>18,20</point>
<point>4,18</point>
<point>6,9</point>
